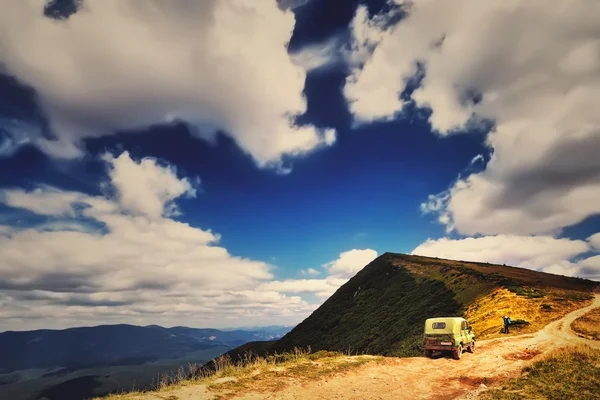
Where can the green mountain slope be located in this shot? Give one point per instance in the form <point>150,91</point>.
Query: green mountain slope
<point>379,311</point>
<point>382,309</point>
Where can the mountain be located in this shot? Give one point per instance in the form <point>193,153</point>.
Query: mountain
<point>77,363</point>
<point>382,309</point>
<point>232,337</point>
<point>270,332</point>
<point>107,345</point>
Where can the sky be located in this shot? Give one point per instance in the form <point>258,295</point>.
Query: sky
<point>227,163</point>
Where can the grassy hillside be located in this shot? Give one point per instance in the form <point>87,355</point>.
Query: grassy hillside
<point>379,311</point>
<point>571,373</point>
<point>588,325</point>
<point>382,309</point>
<point>256,376</point>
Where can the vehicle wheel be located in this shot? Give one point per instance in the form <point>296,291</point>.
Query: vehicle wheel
<point>472,347</point>
<point>428,353</point>
<point>458,352</point>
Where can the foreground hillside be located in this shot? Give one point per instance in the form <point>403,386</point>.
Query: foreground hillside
<point>553,363</point>
<point>382,309</point>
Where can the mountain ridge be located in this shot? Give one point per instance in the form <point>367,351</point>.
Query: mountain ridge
<point>381,310</point>
<point>105,345</point>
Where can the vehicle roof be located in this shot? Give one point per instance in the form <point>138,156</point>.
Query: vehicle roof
<point>446,319</point>
<point>451,325</point>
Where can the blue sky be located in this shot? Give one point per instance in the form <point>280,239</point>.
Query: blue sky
<point>329,136</point>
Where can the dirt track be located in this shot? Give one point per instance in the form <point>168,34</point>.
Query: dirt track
<point>438,378</point>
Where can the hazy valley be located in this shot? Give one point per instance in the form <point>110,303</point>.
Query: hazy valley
<point>77,363</point>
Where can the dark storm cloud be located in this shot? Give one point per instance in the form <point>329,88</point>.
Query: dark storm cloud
<point>58,283</point>
<point>572,162</point>
<point>54,298</point>
<point>87,302</point>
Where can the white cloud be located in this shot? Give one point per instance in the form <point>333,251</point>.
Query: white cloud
<point>318,56</point>
<point>322,288</point>
<point>590,267</point>
<point>6,230</point>
<point>340,271</point>
<point>297,286</point>
<point>476,159</point>
<point>350,262</point>
<point>537,82</point>
<point>334,51</point>
<point>18,133</point>
<point>334,282</point>
<point>595,241</point>
<point>366,33</point>
<point>330,136</point>
<point>292,4</point>
<point>219,65</point>
<point>43,200</point>
<point>146,188</point>
<point>141,267</point>
<point>542,253</point>
<point>310,271</point>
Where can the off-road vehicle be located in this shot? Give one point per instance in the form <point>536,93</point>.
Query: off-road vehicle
<point>448,334</point>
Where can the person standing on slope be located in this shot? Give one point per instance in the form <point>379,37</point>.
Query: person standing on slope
<point>506,323</point>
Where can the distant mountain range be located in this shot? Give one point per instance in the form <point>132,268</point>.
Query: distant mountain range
<point>79,363</point>
<point>108,345</point>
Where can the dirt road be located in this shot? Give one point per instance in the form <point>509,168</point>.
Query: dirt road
<point>438,378</point>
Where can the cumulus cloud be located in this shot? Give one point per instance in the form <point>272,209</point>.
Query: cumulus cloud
<point>340,271</point>
<point>146,188</point>
<point>330,136</point>
<point>541,253</point>
<point>321,56</point>
<point>218,65</point>
<point>536,82</point>
<point>322,288</point>
<point>310,271</point>
<point>121,257</point>
<point>350,262</point>
<point>595,241</point>
<point>590,267</point>
<point>292,4</point>
<point>366,32</point>
<point>297,286</point>
<point>43,200</point>
<point>140,266</point>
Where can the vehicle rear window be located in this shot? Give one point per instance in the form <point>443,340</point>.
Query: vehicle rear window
<point>439,325</point>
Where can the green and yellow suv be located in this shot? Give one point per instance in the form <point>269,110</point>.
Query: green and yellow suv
<point>448,334</point>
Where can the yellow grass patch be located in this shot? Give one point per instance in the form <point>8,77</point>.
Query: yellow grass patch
<point>258,374</point>
<point>588,325</point>
<point>485,315</point>
<point>572,373</point>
